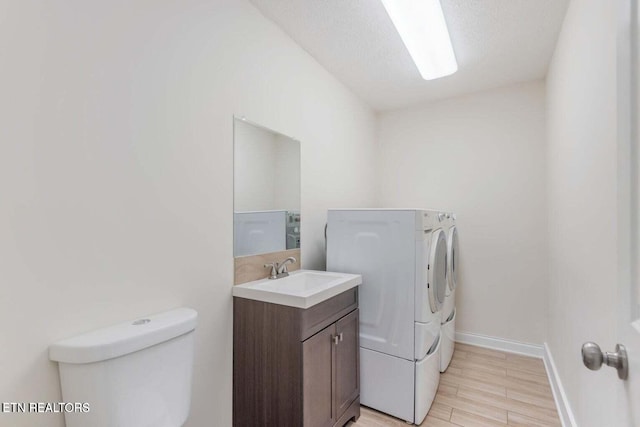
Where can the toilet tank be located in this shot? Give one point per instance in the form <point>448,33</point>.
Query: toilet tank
<point>134,374</point>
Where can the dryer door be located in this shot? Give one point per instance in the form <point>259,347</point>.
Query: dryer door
<point>452,258</point>
<point>437,276</point>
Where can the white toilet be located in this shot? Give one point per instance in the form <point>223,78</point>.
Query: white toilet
<point>135,374</point>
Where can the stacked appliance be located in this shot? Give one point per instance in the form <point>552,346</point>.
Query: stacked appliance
<point>258,232</point>
<point>402,257</point>
<point>448,329</point>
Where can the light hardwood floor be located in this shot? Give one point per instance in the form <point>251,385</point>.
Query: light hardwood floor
<point>484,388</point>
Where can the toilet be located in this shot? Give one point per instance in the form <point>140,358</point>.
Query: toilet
<point>134,374</point>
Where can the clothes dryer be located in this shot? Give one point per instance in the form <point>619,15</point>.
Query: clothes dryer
<point>402,257</point>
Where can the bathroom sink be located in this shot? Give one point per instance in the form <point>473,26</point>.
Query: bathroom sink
<point>302,288</point>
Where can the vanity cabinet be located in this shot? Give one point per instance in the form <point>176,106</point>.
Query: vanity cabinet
<point>330,372</point>
<point>296,367</point>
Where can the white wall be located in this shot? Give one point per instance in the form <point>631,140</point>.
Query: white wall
<point>116,171</point>
<point>254,157</point>
<point>287,173</point>
<point>483,157</point>
<point>581,102</point>
<point>266,174</point>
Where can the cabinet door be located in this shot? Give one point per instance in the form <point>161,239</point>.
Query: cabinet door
<point>347,367</point>
<point>317,378</point>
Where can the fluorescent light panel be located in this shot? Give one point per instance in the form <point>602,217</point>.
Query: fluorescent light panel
<point>424,32</point>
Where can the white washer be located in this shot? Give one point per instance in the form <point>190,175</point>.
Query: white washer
<point>401,255</point>
<point>258,232</point>
<point>449,309</point>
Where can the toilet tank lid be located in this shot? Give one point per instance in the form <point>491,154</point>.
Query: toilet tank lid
<point>124,338</point>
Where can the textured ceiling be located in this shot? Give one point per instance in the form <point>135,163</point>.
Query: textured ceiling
<point>497,42</point>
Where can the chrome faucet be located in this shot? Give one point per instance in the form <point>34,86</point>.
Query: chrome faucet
<point>282,267</point>
<point>279,269</point>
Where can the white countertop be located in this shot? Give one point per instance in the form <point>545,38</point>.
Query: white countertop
<point>301,289</point>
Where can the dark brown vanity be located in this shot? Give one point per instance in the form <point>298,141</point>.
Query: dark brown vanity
<point>296,367</point>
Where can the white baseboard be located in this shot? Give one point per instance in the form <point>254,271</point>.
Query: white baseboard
<point>526,349</point>
<point>562,403</point>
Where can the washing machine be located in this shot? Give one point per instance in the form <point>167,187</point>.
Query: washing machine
<point>448,328</point>
<point>402,257</point>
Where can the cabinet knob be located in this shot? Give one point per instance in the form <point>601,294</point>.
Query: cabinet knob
<point>341,337</point>
<point>336,339</point>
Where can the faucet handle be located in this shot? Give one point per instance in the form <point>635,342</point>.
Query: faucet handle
<point>274,269</point>
<point>282,267</point>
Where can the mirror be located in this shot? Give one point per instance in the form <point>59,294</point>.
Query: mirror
<point>266,191</point>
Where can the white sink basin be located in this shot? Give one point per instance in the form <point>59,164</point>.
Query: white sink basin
<point>302,288</point>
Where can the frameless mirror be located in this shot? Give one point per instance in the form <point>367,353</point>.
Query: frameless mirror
<point>266,192</point>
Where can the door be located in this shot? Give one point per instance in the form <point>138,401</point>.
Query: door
<point>452,258</point>
<point>437,282</point>
<point>318,359</point>
<point>628,391</point>
<point>347,353</point>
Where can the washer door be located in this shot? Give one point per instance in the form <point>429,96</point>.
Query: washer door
<point>452,258</point>
<point>437,283</point>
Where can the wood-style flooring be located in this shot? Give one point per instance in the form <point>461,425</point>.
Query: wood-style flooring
<point>484,388</point>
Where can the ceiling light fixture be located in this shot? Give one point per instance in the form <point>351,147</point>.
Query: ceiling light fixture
<point>424,32</point>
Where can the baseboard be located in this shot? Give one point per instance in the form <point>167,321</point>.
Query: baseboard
<point>562,403</point>
<point>526,349</point>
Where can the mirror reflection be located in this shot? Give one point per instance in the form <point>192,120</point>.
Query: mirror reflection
<point>266,190</point>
